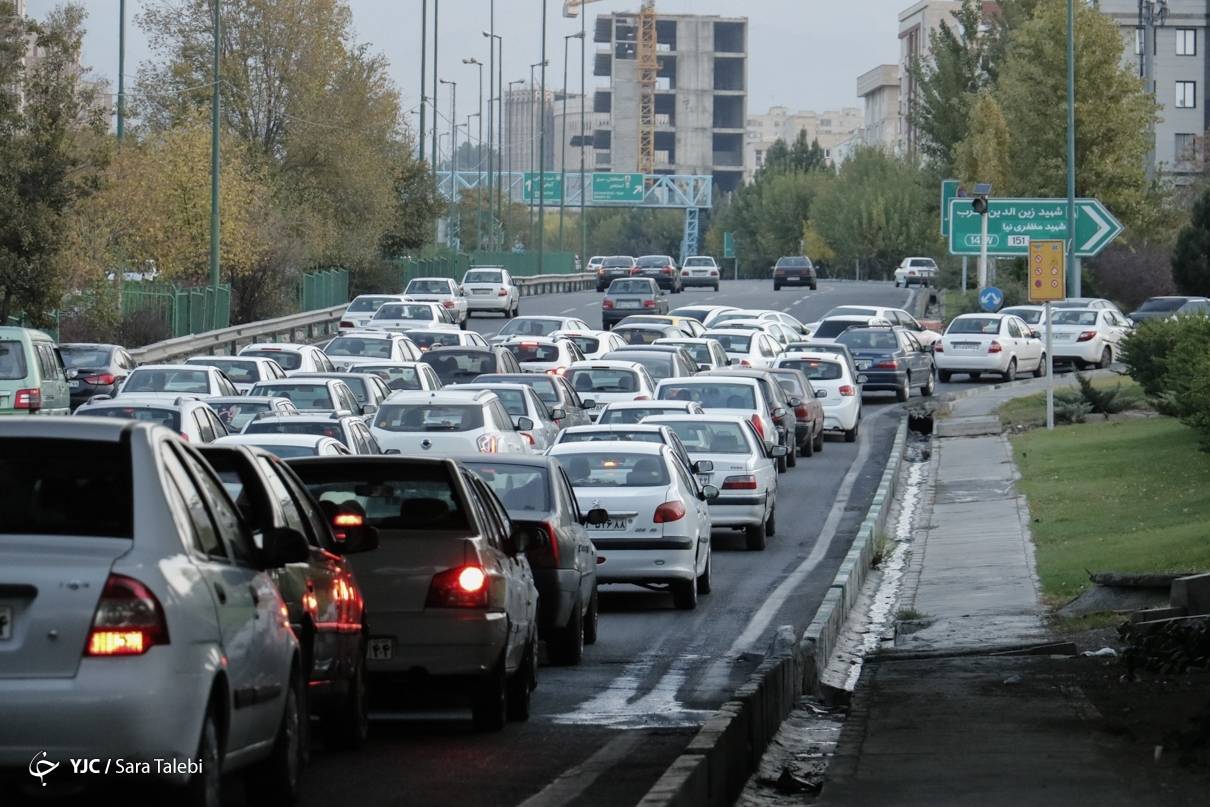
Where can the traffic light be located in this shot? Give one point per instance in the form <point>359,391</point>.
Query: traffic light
<point>979,202</point>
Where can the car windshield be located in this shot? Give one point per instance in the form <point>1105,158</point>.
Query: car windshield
<point>586,344</point>
<point>363,304</point>
<point>699,352</point>
<point>793,263</point>
<point>869,339</point>
<point>629,415</point>
<point>979,325</point>
<point>630,287</point>
<point>705,437</point>
<point>184,381</point>
<point>286,359</point>
<point>1031,315</point>
<point>164,417</point>
<point>85,357</point>
<point>394,497</point>
<point>453,366</point>
<point>396,378</point>
<point>240,372</point>
<point>307,397</point>
<point>615,469</point>
<point>639,336</point>
<point>12,360</point>
<point>46,489</point>
<point>429,418</point>
<point>427,287</point>
<point>699,262</point>
<point>289,452</point>
<point>1154,304</point>
<point>520,487</point>
<point>814,369</point>
<point>359,346</point>
<point>607,436</point>
<point>426,340</point>
<point>831,328</point>
<point>589,380</point>
<point>416,311</point>
<point>732,342</point>
<point>483,276</point>
<point>654,261</point>
<point>298,426</point>
<point>712,396</point>
<point>531,327</point>
<point>533,351</point>
<point>1075,317</point>
<point>658,365</point>
<point>237,415</point>
<point>539,383</point>
<point>617,263</point>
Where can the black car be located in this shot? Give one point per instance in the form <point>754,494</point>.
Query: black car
<point>794,271</point>
<point>538,497</point>
<point>615,267</point>
<point>94,369</point>
<point>1152,308</point>
<point>891,359</point>
<point>663,270</point>
<point>457,365</point>
<point>661,361</point>
<point>632,295</point>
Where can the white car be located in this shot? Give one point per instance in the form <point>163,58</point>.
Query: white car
<point>237,411</point>
<point>140,622</point>
<point>593,344</point>
<point>607,380</point>
<point>658,529</point>
<point>1097,303</point>
<point>520,401</point>
<point>194,420</point>
<point>448,422</point>
<point>744,471</point>
<point>289,446</point>
<point>242,371</point>
<point>828,328</point>
<point>444,292</point>
<point>706,351</point>
<point>700,270</point>
<point>490,289</point>
<point>705,314</point>
<point>538,326</point>
<point>412,315</point>
<point>736,395</point>
<point>636,411</point>
<point>350,350</point>
<point>351,431</point>
<point>747,348</point>
<point>1088,337</point>
<point>594,263</point>
<point>293,358</point>
<point>403,375</point>
<point>999,344</point>
<point>832,379</point>
<point>895,316</point>
<point>362,308</point>
<point>541,354</point>
<point>780,333</point>
<point>1032,315</point>
<point>922,271</point>
<point>311,394</point>
<point>445,337</point>
<point>167,382</point>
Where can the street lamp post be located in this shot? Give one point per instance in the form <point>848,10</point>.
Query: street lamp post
<point>215,160</point>
<point>424,41</point>
<point>512,131</point>
<point>479,161</point>
<point>453,85</point>
<point>542,149</point>
<point>583,124</point>
<point>563,137</point>
<point>533,106</point>
<point>478,188</point>
<point>436,37</point>
<point>121,70</point>
<point>498,77</point>
<point>1073,268</point>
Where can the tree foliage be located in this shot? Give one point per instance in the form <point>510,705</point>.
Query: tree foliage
<point>1191,259</point>
<point>983,156</point>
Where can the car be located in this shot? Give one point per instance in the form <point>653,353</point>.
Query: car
<point>921,271</point>
<point>352,349</point>
<point>707,353</point>
<point>449,422</point>
<point>520,401</point>
<point>33,380</point>
<point>543,354</point>
<point>324,604</point>
<point>450,593</point>
<point>688,326</point>
<point>288,446</point>
<point>794,270</point>
<point>94,369</point>
<point>167,637</point>
<point>537,326</point>
<point>403,374</point>
<point>490,289</point>
<point>242,371</point>
<point>660,268</point>
<point>593,344</point>
<point>662,361</point>
<point>552,390</point>
<point>636,411</point>
<point>831,327</point>
<point>892,360</point>
<point>614,267</point>
<point>723,319</point>
<point>811,346</point>
<point>311,394</point>
<point>607,380</point>
<point>1088,337</point>
<point>454,365</point>
<point>808,411</point>
<point>633,432</point>
<point>746,348</point>
<point>705,314</point>
<point>427,340</point>
<point>594,263</point>
<point>730,396</point>
<point>628,296</point>
<point>835,386</point>
<point>539,499</point>
<point>362,309</point>
<point>350,430</point>
<point>1162,308</point>
<point>1096,303</point>
<point>170,381</point>
<point>775,330</point>
<point>440,290</point>
<point>644,333</point>
<point>293,358</point>
<point>700,270</point>
<point>369,390</point>
<point>657,530</point>
<point>413,314</point>
<point>237,411</point>
<point>895,316</point>
<point>1000,344</point>
<point>741,467</point>
<point>192,419</point>
<point>1032,315</point>
<point>781,412</point>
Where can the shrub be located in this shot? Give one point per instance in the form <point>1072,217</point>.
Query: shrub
<point>1104,400</point>
<point>1146,352</point>
<point>1188,378</point>
<point>1070,410</point>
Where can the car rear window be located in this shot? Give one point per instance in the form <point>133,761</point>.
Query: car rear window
<point>710,438</point>
<point>91,358</point>
<point>12,360</point>
<point>513,400</point>
<point>240,372</point>
<point>867,339</point>
<point>653,261</point>
<point>617,263</point>
<point>427,287</point>
<point>1075,317</point>
<point>639,336</point>
<point>531,327</point>
<point>614,469</point>
<point>397,378</point>
<point>543,386</point>
<point>364,304</point>
<point>712,396</point>
<point>532,351</point>
<point>787,263</point>
<point>397,496</point>
<point>303,396</point>
<point>588,380</point>
<point>814,369</point>
<point>699,262</point>
<point>184,381</point>
<point>520,487</point>
<point>791,384</point>
<point>288,359</point>
<point>483,277</point>
<point>1160,304</point>
<point>425,313</point>
<point>658,365</point>
<point>628,415</point>
<point>630,287</point>
<point>357,346</point>
<point>164,417</point>
<point>611,436</point>
<point>238,415</point>
<point>426,340</point>
<point>982,325</point>
<point>849,311</point>
<point>586,344</point>
<point>699,314</point>
<point>699,352</point>
<point>429,418</point>
<point>831,328</point>
<point>312,428</point>
<point>453,366</point>
<point>1032,316</point>
<point>732,342</point>
<point>46,488</point>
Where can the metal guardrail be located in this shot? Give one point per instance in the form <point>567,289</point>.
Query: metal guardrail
<point>310,326</point>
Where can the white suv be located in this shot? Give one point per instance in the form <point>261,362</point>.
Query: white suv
<point>440,290</point>
<point>447,422</point>
<point>491,289</point>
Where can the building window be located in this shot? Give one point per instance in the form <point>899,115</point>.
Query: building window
<point>1186,95</point>
<point>1186,41</point>
<point>1187,148</point>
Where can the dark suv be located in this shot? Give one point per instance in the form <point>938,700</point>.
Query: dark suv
<point>794,271</point>
<point>663,270</point>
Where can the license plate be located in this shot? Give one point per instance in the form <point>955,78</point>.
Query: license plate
<point>380,649</point>
<point>481,291</point>
<point>73,384</point>
<point>1064,337</point>
<point>966,345</point>
<point>628,303</point>
<point>864,364</point>
<point>613,524</point>
<point>6,622</point>
<point>703,479</point>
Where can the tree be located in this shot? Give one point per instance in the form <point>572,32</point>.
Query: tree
<point>1191,260</point>
<point>983,155</point>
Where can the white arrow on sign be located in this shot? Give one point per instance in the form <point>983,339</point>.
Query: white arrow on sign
<point>1103,227</point>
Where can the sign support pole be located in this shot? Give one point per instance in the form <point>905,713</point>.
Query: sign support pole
<point>964,270</point>
<point>1050,371</point>
<point>983,251</point>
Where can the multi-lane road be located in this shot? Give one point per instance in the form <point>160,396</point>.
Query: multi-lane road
<point>603,732</point>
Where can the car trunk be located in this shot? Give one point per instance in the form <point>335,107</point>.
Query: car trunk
<point>440,443</point>
<point>868,359</point>
<point>620,503</point>
<point>1069,334</point>
<point>967,344</point>
<point>395,578</point>
<point>724,465</point>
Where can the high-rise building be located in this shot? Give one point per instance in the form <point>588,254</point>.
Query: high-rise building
<point>917,24</point>
<point>526,113</point>
<point>700,95</point>
<point>828,128</point>
<point>879,90</point>
<point>567,155</point>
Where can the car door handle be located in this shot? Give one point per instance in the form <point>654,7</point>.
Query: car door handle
<point>221,593</point>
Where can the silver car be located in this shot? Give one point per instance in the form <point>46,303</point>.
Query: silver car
<point>520,401</point>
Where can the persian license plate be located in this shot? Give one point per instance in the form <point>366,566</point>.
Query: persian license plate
<point>73,384</point>
<point>966,345</point>
<point>481,291</point>
<point>6,622</point>
<point>612,525</point>
<point>628,303</point>
<point>381,649</point>
<point>1064,337</point>
<point>864,364</point>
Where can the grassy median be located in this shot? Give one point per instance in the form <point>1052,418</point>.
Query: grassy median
<point>1123,496</point>
<point>1030,411</point>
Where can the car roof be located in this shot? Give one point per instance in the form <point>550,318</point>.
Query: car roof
<point>272,439</point>
<point>605,364</point>
<point>993,315</point>
<point>1025,307</point>
<point>644,326</point>
<point>91,344</point>
<point>697,418</point>
<point>335,375</point>
<point>595,446</point>
<point>205,358</point>
<point>442,279</point>
<point>727,331</point>
<point>260,399</point>
<point>613,427</point>
<point>135,402</point>
<point>17,332</point>
<point>276,346</point>
<point>77,427</point>
<point>440,396</point>
<point>460,349</point>
<point>735,372</point>
<point>527,460</point>
<point>542,340</point>
<point>813,356</point>
<point>488,386</point>
<point>647,405</point>
<point>709,378</point>
<point>307,417</point>
<point>190,367</point>
<point>293,379</point>
<point>675,341</point>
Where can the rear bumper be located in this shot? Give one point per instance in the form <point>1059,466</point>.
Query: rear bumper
<point>707,281</point>
<point>840,418</point>
<point>794,280</point>
<point>440,642</point>
<point>488,303</point>
<point>645,565</point>
<point>883,380</point>
<point>737,511</point>
<point>1078,351</point>
<point>956,362</point>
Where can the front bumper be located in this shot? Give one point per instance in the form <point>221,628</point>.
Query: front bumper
<point>440,642</point>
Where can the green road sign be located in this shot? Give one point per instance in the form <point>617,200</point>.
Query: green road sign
<point>728,244</point>
<point>552,183</point>
<point>617,188</point>
<point>1013,223</point>
<point>949,190</point>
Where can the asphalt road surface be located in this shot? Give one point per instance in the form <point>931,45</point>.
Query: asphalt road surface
<point>603,732</point>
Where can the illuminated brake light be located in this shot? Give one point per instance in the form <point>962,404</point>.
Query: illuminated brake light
<point>800,411</point>
<point>649,304</point>
<point>30,399</point>
<point>471,579</point>
<point>502,293</point>
<point>1086,336</point>
<point>607,303</point>
<point>460,587</point>
<point>887,364</point>
<point>669,511</point>
<point>741,482</point>
<point>128,621</point>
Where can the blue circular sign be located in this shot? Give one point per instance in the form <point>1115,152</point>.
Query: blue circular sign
<point>991,298</point>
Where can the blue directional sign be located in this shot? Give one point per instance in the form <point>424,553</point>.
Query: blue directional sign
<point>991,298</point>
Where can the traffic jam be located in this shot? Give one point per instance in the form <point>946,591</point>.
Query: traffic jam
<point>260,546</point>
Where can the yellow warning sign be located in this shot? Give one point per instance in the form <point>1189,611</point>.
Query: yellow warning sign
<point>1047,271</point>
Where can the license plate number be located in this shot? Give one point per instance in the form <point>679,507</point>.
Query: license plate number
<point>1064,337</point>
<point>73,384</point>
<point>380,649</point>
<point>966,345</point>
<point>628,303</point>
<point>703,479</point>
<point>481,291</point>
<point>863,365</point>
<point>6,622</point>
<point>613,524</point>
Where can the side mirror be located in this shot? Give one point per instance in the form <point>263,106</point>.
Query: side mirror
<point>588,404</point>
<point>517,542</point>
<point>779,413</point>
<point>778,451</point>
<point>525,424</point>
<point>863,378</point>
<point>795,401</point>
<point>352,534</point>
<point>703,467</point>
<point>596,516</point>
<point>558,413</point>
<point>703,367</point>
<point>709,493</point>
<point>71,372</point>
<point>369,409</point>
<point>1033,333</point>
<point>283,545</point>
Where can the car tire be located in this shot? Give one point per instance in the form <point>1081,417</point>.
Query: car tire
<point>205,788</point>
<point>521,684</point>
<point>684,594</point>
<point>930,386</point>
<point>716,288</point>
<point>592,620</point>
<point>850,435</point>
<point>1041,371</point>
<point>1010,374</point>
<point>347,725</point>
<point>489,702</point>
<point>275,780</point>
<point>567,645</point>
<point>814,287</point>
<point>771,522</point>
<point>1106,359</point>
<point>782,464</point>
<point>808,447</point>
<point>776,287</point>
<point>945,376</point>
<point>754,537</point>
<point>818,443</point>
<point>904,392</point>
<point>704,582</point>
<point>896,284</point>
<point>792,457</point>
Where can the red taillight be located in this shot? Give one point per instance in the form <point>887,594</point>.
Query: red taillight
<point>760,427</point>
<point>634,271</point>
<point>529,438</point>
<point>128,621</point>
<point>557,371</point>
<point>461,587</point>
<point>543,551</point>
<point>607,304</point>
<point>779,272</point>
<point>100,378</point>
<point>30,399</point>
<point>801,412</point>
<point>994,347</point>
<point>641,398</point>
<point>669,511</point>
<point>938,346</point>
<point>447,303</point>
<point>346,521</point>
<point>502,293</point>
<point>848,391</point>
<point>185,437</point>
<point>887,364</point>
<point>649,304</point>
<point>685,273</point>
<point>742,482</point>
<point>667,270</point>
<point>745,363</point>
<point>1086,336</point>
<point>713,273</point>
<point>344,324</point>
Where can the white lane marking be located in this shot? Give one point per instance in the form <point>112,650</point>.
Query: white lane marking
<point>616,705</point>
<point>574,781</point>
<point>799,301</point>
<point>567,311</point>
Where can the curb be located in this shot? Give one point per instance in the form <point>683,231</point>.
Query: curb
<point>727,749</point>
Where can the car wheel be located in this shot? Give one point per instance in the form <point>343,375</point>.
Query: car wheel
<point>205,787</point>
<point>1041,371</point>
<point>945,376</point>
<point>567,647</point>
<point>489,703</point>
<point>522,684</point>
<point>754,537</point>
<point>818,443</point>
<point>463,325</point>
<point>808,447</point>
<point>904,392</point>
<point>716,288</point>
<point>814,287</point>
<point>592,619</point>
<point>896,284</point>
<point>684,594</point>
<point>1106,359</point>
<point>776,287</point>
<point>348,724</point>
<point>703,581</point>
<point>771,522</point>
<point>1011,373</point>
<point>850,435</point>
<point>275,780</point>
<point>930,386</point>
<point>782,464</point>
<point>792,457</point>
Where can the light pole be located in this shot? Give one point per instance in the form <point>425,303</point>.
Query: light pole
<point>583,124</point>
<point>453,85</point>
<point>215,161</point>
<point>1073,268</point>
<point>436,11</point>
<point>424,41</point>
<point>542,149</point>
<point>563,137</point>
<point>479,161</point>
<point>121,69</point>
<point>512,132</point>
<point>498,77</point>
<point>533,106</point>
<point>478,188</point>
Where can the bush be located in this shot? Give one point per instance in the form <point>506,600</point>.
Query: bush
<point>1171,361</point>
<point>1104,400</point>
<point>1146,351</point>
<point>1070,410</point>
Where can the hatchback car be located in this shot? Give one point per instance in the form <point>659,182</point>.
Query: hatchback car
<point>170,381</point>
<point>892,360</point>
<point>605,381</point>
<point>455,365</point>
<point>362,309</point>
<point>448,423</point>
<point>895,316</point>
<point>520,401</point>
<point>794,271</point>
<point>450,592</point>
<point>636,411</point>
<point>660,268</point>
<point>808,411</point>
<point>700,270</point>
<point>310,394</point>
<point>350,430</point>
<point>99,369</point>
<point>781,411</point>
<point>1088,337</point>
<point>544,354</point>
<point>427,340</point>
<point>614,267</point>
<point>369,390</point>
<point>811,346</point>
<point>989,343</point>
<point>194,420</point>
<point>662,361</point>
<point>491,290</point>
<point>292,358</point>
<point>731,396</point>
<point>237,411</point>
<point>835,386</point>
<point>354,348</point>
<point>289,446</point>
<point>593,344</point>
<point>400,375</point>
<point>443,291</point>
<point>537,326</point>
<point>629,296</point>
<point>242,371</point>
<point>33,380</point>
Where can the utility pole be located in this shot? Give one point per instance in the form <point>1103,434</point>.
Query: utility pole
<point>456,209</point>
<point>479,153</point>
<point>121,69</point>
<point>583,119</point>
<point>563,138</point>
<point>491,77</point>
<point>542,149</point>
<point>1073,267</point>
<point>532,164</point>
<point>436,11</point>
<point>215,161</point>
<point>424,41</point>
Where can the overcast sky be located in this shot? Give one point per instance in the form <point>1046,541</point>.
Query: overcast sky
<point>804,54</point>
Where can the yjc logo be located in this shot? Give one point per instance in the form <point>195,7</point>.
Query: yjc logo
<point>41,767</point>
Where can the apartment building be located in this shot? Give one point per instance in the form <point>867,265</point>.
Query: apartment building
<point>879,91</point>
<point>829,128</point>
